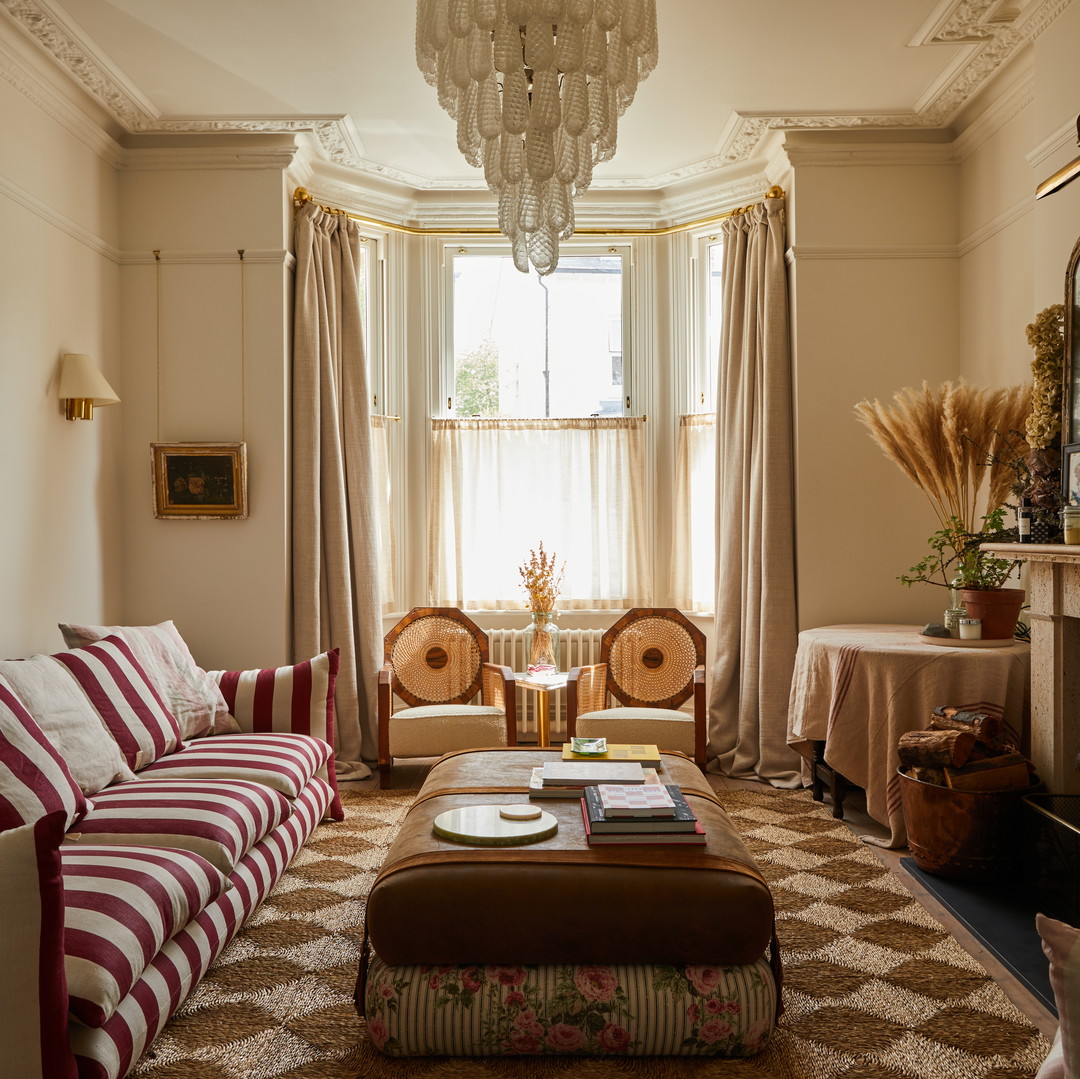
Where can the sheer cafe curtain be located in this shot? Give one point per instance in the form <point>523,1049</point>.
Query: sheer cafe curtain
<point>693,541</point>
<point>501,487</point>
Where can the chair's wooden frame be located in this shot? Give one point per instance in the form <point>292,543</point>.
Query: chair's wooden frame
<point>587,687</point>
<point>494,682</point>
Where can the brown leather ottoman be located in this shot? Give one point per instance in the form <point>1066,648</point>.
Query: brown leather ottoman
<point>439,902</point>
<point>559,948</point>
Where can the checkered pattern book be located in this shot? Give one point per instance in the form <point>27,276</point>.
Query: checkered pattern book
<point>646,800</point>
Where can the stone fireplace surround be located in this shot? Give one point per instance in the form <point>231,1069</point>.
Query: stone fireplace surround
<point>1053,572</point>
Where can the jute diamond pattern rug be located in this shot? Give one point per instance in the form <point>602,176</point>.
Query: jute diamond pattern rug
<point>875,988</point>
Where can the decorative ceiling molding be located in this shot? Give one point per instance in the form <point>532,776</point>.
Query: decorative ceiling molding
<point>69,48</point>
<point>991,32</point>
<point>73,120</point>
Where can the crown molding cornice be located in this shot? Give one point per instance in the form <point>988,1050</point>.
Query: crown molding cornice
<point>989,33</point>
<point>72,119</point>
<point>991,40</point>
<point>231,157</point>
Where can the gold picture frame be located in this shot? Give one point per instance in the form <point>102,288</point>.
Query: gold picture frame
<point>200,481</point>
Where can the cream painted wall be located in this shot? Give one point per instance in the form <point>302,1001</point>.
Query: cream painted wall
<point>61,541</point>
<point>875,283</point>
<point>225,583</point>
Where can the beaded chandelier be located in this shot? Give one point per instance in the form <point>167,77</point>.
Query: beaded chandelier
<point>536,88</point>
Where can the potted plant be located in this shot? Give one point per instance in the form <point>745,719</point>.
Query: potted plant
<point>956,444</point>
<point>958,562</point>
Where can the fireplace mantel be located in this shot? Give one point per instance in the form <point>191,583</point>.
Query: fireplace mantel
<point>1054,612</point>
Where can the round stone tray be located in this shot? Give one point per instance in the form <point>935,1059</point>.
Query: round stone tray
<point>483,826</point>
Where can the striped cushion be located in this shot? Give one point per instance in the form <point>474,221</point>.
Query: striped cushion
<point>192,695</point>
<point>73,728</point>
<point>297,699</point>
<point>120,905</point>
<point>33,997</point>
<point>619,1010</point>
<point>283,762</point>
<point>128,703</point>
<point>217,818</point>
<point>109,1051</point>
<point>33,778</point>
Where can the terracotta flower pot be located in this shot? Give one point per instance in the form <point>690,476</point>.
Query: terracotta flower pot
<point>999,609</point>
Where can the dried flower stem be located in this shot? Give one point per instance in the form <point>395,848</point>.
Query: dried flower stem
<point>540,580</point>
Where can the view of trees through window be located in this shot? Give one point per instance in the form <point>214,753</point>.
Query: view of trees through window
<point>526,346</point>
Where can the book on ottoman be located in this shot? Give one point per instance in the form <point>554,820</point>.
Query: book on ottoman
<point>644,754</point>
<point>633,800</point>
<point>594,839</point>
<point>680,819</point>
<point>538,790</point>
<point>589,773</point>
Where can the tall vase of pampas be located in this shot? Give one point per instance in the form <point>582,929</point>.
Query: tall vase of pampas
<point>959,444</point>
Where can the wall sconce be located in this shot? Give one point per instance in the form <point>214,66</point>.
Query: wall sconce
<point>82,386</point>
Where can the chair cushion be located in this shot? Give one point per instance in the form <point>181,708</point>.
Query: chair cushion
<point>120,905</point>
<point>127,701</point>
<point>33,1002</point>
<point>434,729</point>
<point>283,762</point>
<point>219,819</point>
<point>192,695</point>
<point>666,728</point>
<point>34,780</point>
<point>67,719</point>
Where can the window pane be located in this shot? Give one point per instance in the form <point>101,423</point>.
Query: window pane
<point>714,306</point>
<point>526,346</point>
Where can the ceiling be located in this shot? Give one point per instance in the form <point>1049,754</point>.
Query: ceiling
<point>730,71</point>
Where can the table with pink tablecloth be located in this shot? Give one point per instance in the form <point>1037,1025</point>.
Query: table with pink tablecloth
<point>858,688</point>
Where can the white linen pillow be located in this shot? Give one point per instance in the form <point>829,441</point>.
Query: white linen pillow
<point>1061,943</point>
<point>66,717</point>
<point>192,695</point>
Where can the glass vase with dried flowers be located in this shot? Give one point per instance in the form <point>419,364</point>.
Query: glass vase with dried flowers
<point>541,581</point>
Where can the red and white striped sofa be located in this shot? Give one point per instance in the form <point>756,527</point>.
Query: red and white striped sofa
<point>147,807</point>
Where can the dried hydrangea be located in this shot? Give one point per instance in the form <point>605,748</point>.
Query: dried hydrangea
<point>1047,336</point>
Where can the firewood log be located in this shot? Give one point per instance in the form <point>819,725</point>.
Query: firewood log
<point>935,748</point>
<point>987,729</point>
<point>928,775</point>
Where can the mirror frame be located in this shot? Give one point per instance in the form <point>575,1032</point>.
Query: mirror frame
<point>1070,398</point>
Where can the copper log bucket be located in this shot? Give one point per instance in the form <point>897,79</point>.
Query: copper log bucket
<point>963,835</point>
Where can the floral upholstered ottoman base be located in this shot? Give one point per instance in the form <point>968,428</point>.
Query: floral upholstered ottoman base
<point>630,1009</point>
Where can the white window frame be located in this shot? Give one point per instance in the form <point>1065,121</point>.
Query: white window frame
<point>444,382</point>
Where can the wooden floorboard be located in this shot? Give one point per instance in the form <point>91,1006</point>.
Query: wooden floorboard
<point>411,775</point>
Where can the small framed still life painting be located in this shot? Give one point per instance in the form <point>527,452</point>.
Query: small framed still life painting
<point>200,481</point>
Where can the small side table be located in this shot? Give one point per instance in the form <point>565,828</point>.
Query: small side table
<point>542,685</point>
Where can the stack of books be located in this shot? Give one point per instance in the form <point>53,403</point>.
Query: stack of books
<point>649,813</point>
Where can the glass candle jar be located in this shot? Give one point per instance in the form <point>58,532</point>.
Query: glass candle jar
<point>1070,524</point>
<point>971,629</point>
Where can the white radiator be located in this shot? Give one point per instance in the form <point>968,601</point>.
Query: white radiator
<point>576,648</point>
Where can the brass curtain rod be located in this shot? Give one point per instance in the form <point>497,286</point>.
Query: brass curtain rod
<point>301,196</point>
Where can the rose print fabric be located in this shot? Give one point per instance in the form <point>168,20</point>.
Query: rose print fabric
<point>636,1010</point>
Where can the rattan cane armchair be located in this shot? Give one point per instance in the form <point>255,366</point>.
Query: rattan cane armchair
<point>651,661</point>
<point>436,661</point>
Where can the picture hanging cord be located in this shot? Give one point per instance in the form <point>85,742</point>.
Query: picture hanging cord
<point>243,352</point>
<point>157,334</point>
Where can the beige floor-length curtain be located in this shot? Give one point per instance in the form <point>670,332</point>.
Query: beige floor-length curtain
<point>336,601</point>
<point>756,628</point>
